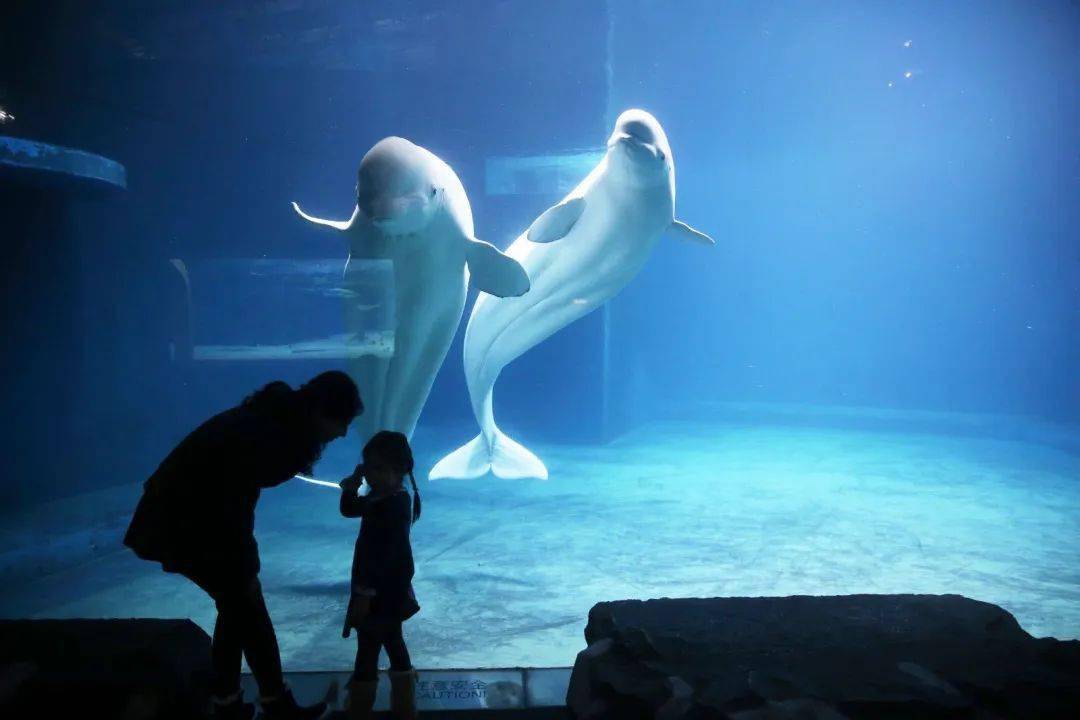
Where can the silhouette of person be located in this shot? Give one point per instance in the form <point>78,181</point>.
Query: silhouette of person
<point>197,518</point>
<point>382,596</point>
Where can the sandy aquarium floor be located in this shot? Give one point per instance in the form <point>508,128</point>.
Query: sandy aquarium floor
<point>507,570</point>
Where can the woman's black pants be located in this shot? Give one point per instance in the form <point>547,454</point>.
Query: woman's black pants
<point>243,627</point>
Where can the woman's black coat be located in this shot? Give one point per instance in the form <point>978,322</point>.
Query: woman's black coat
<point>197,512</point>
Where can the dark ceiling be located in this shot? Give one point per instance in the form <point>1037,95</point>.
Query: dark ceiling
<point>318,33</point>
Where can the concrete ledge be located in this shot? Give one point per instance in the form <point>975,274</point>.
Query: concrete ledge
<point>37,162</point>
<point>538,174</point>
<point>1021,428</point>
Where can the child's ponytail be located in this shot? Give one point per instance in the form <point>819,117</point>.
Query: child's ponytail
<point>416,498</point>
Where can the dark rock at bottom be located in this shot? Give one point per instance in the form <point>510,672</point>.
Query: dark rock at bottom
<point>128,669</point>
<point>827,657</point>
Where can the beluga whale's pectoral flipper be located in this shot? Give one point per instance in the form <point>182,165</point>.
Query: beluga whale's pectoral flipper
<point>684,232</point>
<point>556,221</point>
<point>336,224</point>
<point>493,272</point>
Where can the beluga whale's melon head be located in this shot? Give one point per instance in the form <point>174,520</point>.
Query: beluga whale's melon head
<point>638,148</point>
<point>397,190</point>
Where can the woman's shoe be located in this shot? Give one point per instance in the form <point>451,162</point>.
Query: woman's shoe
<point>232,707</point>
<point>403,694</point>
<point>284,707</point>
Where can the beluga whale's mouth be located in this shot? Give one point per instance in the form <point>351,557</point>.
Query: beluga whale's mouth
<point>395,224</point>
<point>396,214</point>
<point>636,146</point>
<point>395,231</point>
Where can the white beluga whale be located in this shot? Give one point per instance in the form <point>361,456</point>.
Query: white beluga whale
<point>412,209</point>
<point>578,254</point>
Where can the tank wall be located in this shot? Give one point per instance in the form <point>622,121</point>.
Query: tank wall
<point>910,245</point>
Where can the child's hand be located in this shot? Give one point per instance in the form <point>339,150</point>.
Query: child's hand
<point>351,484</point>
<point>355,479</point>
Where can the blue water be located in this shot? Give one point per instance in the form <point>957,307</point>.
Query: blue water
<point>868,385</point>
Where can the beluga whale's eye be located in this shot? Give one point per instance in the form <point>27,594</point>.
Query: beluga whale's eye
<point>434,191</point>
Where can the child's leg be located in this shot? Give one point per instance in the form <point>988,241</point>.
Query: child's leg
<point>402,675</point>
<point>394,642</point>
<point>366,667</point>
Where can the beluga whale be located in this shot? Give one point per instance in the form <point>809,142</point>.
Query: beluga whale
<point>578,254</point>
<point>412,209</point>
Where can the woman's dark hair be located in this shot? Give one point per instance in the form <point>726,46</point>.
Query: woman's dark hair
<point>276,399</point>
<point>393,449</point>
<point>270,395</point>
<point>332,394</point>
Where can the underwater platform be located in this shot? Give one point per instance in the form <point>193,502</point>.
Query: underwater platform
<point>553,174</point>
<point>757,501</point>
<point>55,167</point>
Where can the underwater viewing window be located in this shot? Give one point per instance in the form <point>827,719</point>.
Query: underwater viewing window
<point>658,338</point>
<point>285,309</point>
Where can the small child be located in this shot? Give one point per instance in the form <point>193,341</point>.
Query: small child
<point>382,597</point>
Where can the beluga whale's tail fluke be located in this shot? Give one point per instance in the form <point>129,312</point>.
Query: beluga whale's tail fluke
<point>502,456</point>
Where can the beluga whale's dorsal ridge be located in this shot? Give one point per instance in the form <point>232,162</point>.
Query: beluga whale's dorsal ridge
<point>412,209</point>
<point>578,254</point>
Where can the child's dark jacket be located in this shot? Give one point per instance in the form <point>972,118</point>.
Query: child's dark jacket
<point>382,559</point>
